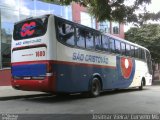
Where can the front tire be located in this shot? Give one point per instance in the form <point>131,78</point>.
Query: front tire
<point>142,84</point>
<point>95,88</point>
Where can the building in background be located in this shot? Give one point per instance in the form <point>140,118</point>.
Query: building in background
<point>12,11</point>
<point>81,15</point>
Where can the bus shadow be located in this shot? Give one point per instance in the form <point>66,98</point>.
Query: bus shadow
<point>50,98</point>
<point>122,91</point>
<point>56,99</point>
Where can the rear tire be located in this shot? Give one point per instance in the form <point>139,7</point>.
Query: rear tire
<point>95,88</point>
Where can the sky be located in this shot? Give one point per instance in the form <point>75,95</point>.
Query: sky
<point>153,7</point>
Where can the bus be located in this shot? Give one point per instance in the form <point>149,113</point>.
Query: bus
<point>52,54</point>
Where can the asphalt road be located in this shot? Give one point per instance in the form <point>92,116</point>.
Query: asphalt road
<point>122,101</point>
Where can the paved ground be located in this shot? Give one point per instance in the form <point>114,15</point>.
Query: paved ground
<point>7,92</point>
<point>131,101</point>
<point>122,101</point>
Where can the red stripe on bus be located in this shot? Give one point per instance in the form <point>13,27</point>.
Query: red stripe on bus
<point>30,62</point>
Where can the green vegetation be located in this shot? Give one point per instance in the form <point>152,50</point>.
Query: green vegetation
<point>115,10</point>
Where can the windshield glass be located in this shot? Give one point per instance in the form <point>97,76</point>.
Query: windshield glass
<point>29,28</point>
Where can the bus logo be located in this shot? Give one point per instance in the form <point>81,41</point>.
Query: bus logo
<point>28,29</point>
<point>126,67</point>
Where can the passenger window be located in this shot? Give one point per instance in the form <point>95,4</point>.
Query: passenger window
<point>105,43</point>
<point>80,34</point>
<point>89,40</point>
<point>149,62</point>
<point>132,51</point>
<point>139,53</point>
<point>112,45</point>
<point>143,54</point>
<point>98,43</point>
<point>123,48</point>
<point>66,33</point>
<point>128,50</point>
<point>136,52</point>
<point>118,47</point>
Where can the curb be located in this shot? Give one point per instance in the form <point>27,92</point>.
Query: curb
<point>9,93</point>
<point>156,82</point>
<point>23,96</point>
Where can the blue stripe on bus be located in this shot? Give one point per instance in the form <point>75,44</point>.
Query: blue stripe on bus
<point>73,78</point>
<point>29,70</point>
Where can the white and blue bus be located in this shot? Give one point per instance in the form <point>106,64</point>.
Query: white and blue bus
<point>52,54</point>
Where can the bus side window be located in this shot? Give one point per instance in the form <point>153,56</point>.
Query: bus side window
<point>105,43</point>
<point>98,43</point>
<point>80,37</point>
<point>89,40</point>
<point>118,47</point>
<point>66,33</point>
<point>136,52</point>
<point>112,45</point>
<point>132,51</point>
<point>139,53</point>
<point>128,49</point>
<point>143,54</point>
<point>123,48</point>
<point>149,62</point>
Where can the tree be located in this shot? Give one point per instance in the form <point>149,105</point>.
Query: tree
<point>115,10</point>
<point>147,35</point>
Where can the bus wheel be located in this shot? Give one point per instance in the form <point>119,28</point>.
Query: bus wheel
<point>141,87</point>
<point>95,88</point>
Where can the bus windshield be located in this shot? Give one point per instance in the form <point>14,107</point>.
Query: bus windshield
<point>29,28</point>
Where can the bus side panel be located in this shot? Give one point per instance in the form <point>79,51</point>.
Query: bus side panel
<point>109,77</point>
<point>75,77</point>
<point>125,72</point>
<point>141,71</point>
<point>75,69</point>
